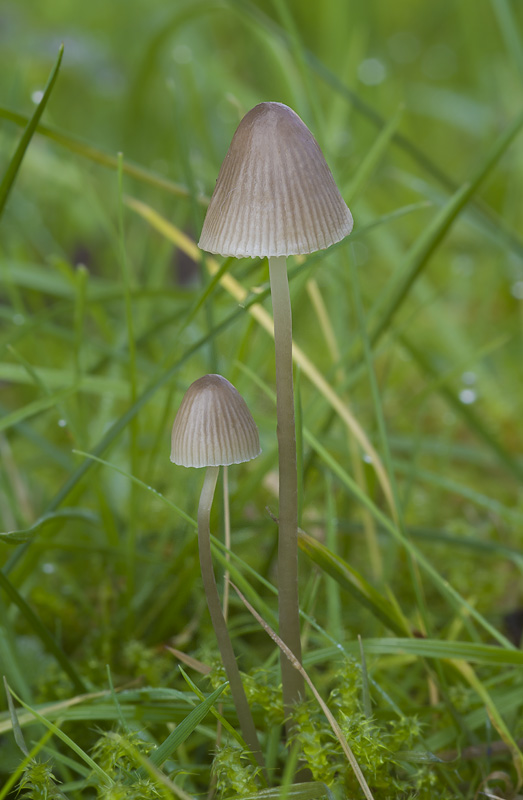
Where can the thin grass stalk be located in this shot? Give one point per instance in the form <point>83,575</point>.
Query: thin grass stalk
<point>133,394</point>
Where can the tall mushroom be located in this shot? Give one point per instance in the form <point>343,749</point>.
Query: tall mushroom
<point>275,196</point>
<point>213,428</point>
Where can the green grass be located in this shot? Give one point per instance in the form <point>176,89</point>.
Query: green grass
<point>408,346</point>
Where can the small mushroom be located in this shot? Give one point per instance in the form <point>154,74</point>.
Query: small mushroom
<point>213,428</point>
<point>275,196</point>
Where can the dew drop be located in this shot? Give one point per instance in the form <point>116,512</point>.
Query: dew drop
<point>372,71</point>
<point>468,396</point>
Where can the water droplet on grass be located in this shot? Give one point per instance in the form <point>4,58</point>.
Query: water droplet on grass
<point>468,396</point>
<point>372,72</point>
<point>516,290</point>
<point>62,423</point>
<point>37,96</point>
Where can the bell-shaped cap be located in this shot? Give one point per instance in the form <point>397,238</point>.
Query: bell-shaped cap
<point>275,194</point>
<point>213,426</point>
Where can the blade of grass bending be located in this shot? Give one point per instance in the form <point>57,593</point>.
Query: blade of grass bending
<point>17,731</point>
<point>192,522</point>
<point>14,165</point>
<point>25,535</point>
<point>104,777</point>
<point>429,241</point>
<point>42,632</point>
<point>332,721</point>
<point>350,580</point>
<point>223,722</point>
<point>184,729</point>
<point>77,146</point>
<point>227,725</point>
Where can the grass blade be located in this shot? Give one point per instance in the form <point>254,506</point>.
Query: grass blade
<point>184,729</point>
<point>14,165</point>
<point>104,777</point>
<point>42,632</point>
<point>435,233</point>
<point>25,535</point>
<point>350,580</point>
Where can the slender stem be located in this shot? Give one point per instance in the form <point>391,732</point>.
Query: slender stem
<point>220,627</point>
<point>227,541</point>
<point>288,603</point>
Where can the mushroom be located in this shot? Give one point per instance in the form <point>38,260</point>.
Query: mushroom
<point>213,428</point>
<point>275,196</point>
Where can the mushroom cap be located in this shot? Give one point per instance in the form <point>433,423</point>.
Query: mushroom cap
<point>275,194</point>
<point>213,426</point>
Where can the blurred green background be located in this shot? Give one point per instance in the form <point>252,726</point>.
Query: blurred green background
<point>406,100</point>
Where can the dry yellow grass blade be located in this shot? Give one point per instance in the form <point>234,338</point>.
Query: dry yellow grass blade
<point>236,290</point>
<point>369,525</point>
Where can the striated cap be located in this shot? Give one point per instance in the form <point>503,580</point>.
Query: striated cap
<point>213,426</point>
<point>275,194</point>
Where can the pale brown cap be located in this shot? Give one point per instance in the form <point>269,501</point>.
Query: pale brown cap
<point>213,426</point>
<point>275,194</point>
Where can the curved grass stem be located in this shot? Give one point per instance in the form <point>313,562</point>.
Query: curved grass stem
<point>220,627</point>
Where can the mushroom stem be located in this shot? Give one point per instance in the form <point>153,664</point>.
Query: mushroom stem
<point>220,627</point>
<point>288,602</point>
